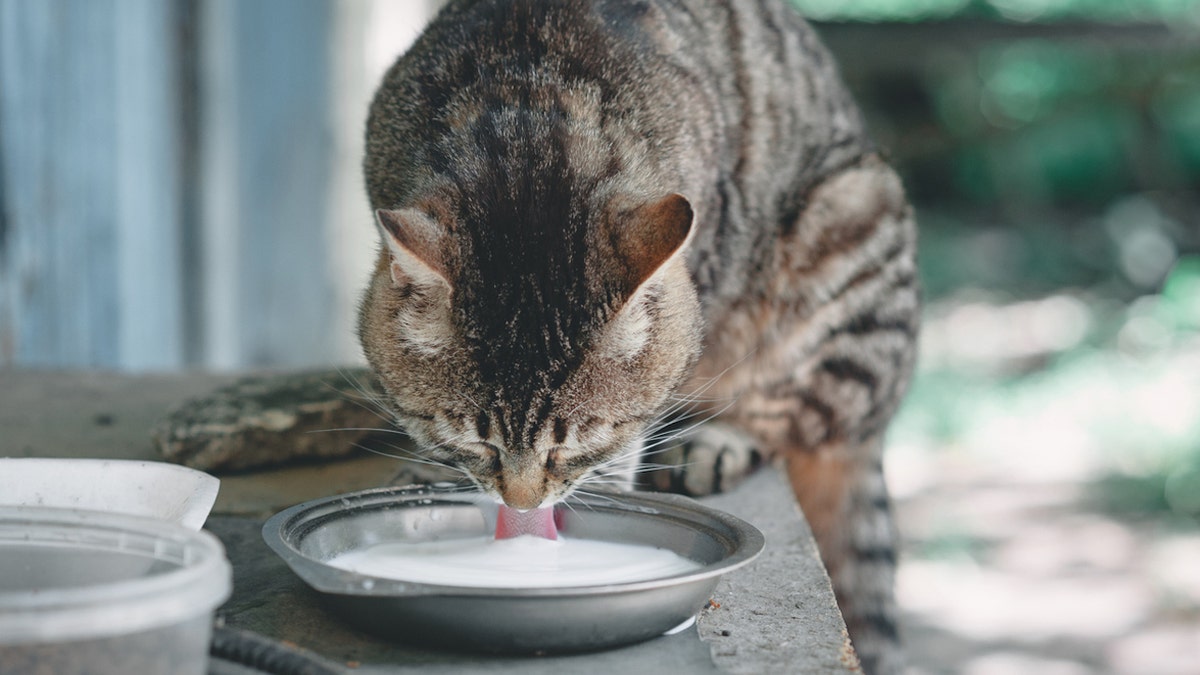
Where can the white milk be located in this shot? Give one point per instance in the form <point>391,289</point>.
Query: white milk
<point>520,562</point>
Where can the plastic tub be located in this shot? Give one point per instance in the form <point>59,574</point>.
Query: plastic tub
<point>153,489</point>
<point>103,593</point>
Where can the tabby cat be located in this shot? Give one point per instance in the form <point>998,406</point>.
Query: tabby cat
<point>605,217</point>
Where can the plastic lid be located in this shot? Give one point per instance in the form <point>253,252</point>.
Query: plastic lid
<point>68,575</point>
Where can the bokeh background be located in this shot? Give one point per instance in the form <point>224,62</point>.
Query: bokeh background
<point>179,190</point>
<point>1046,464</point>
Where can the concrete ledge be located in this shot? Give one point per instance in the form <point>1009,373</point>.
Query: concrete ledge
<point>777,615</point>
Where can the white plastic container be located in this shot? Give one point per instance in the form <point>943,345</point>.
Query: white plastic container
<point>155,489</point>
<point>104,593</point>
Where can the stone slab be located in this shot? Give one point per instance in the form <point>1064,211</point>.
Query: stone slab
<point>776,615</point>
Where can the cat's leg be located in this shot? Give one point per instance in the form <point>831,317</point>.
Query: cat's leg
<point>841,490</point>
<point>824,379</point>
<point>851,363</point>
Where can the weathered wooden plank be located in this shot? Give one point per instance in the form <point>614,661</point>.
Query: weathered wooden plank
<point>149,201</point>
<point>173,191</point>
<point>89,270</point>
<point>267,147</point>
<point>57,113</point>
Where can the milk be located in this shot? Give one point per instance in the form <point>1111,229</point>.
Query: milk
<point>520,562</point>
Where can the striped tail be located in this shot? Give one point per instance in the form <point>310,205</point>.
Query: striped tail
<point>852,521</point>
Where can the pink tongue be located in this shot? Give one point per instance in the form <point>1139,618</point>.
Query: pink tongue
<point>515,522</point>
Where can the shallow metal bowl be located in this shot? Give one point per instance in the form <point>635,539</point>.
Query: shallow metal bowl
<point>513,620</point>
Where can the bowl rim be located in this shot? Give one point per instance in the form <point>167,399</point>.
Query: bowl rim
<point>201,581</point>
<point>281,531</point>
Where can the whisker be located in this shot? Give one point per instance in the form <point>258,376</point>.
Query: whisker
<point>686,400</point>
<point>368,400</point>
<point>669,418</point>
<point>459,489</point>
<point>651,468</point>
<point>470,400</point>
<point>577,499</point>
<point>682,400</point>
<point>428,453</point>
<point>598,495</point>
<point>658,442</point>
<point>382,430</point>
<point>409,457</point>
<point>713,380</point>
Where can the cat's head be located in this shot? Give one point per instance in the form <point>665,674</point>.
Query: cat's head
<point>530,350</point>
<point>528,357</point>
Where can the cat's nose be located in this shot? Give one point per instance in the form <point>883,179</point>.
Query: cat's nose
<point>522,497</point>
<point>522,480</point>
<point>523,491</point>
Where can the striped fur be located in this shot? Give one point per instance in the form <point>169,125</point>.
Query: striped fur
<point>597,213</point>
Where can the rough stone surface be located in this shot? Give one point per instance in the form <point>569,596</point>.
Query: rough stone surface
<point>89,414</point>
<point>270,600</point>
<point>776,615</point>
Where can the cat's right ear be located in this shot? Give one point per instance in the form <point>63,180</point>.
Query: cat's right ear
<point>644,238</point>
<point>416,243</point>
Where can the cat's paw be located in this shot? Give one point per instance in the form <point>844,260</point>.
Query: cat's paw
<point>711,458</point>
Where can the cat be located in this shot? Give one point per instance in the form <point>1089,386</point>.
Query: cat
<point>597,213</point>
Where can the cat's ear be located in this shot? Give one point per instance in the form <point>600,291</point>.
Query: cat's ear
<point>647,236</point>
<point>417,245</point>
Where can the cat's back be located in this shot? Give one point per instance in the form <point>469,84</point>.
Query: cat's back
<point>743,87</point>
<point>733,103</point>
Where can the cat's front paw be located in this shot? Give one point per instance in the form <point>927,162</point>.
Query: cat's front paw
<point>712,458</point>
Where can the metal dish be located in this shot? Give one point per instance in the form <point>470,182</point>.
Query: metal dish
<point>508,620</point>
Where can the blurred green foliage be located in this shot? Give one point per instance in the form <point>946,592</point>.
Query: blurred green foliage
<point>1020,10</point>
<point>1120,416</point>
<point>1039,121</point>
<point>1055,167</point>
<point>1180,306</point>
<point>1040,163</point>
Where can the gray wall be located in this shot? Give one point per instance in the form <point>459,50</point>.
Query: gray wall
<point>179,179</point>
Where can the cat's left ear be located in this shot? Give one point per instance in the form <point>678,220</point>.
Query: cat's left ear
<point>417,245</point>
<point>646,237</point>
